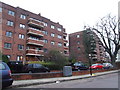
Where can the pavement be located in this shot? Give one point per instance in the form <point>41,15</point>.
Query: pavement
<point>22,83</point>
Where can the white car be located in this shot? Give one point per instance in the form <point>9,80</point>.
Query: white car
<point>107,65</point>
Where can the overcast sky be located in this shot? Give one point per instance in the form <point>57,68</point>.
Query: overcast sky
<point>72,14</point>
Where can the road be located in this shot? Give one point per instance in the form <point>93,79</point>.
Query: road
<point>105,81</point>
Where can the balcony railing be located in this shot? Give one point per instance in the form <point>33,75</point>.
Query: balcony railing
<point>34,52</point>
<point>35,32</point>
<point>66,47</point>
<point>35,42</point>
<point>35,22</point>
<point>64,33</point>
<point>65,41</point>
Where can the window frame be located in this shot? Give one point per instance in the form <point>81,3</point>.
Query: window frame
<point>52,43</point>
<point>23,16</point>
<point>8,33</point>
<point>9,45</point>
<point>20,47</point>
<point>10,23</point>
<point>52,35</point>
<point>10,12</point>
<point>21,36</point>
<point>22,26</point>
<point>52,26</point>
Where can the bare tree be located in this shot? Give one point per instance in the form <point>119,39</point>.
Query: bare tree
<point>109,34</point>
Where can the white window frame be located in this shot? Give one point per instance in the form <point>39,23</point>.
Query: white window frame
<point>9,34</point>
<point>60,44</point>
<point>78,36</point>
<point>52,43</point>
<point>59,36</point>
<point>52,35</point>
<point>22,26</point>
<point>21,36</point>
<point>12,13</point>
<point>19,57</point>
<point>0,9</point>
<point>10,23</point>
<point>59,29</point>
<point>22,16</point>
<point>52,26</point>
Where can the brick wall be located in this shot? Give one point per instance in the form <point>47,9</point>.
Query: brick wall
<point>50,75</point>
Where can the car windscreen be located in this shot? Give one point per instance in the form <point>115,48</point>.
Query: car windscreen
<point>94,64</point>
<point>2,66</point>
<point>37,66</point>
<point>79,64</point>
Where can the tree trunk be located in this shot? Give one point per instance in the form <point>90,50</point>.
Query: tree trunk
<point>113,59</point>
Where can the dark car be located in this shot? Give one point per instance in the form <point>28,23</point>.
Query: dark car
<point>16,66</point>
<point>6,75</point>
<point>35,68</point>
<point>79,66</point>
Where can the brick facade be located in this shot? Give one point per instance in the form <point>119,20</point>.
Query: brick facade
<point>27,36</point>
<point>77,49</point>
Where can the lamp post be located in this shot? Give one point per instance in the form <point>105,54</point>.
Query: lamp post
<point>90,64</point>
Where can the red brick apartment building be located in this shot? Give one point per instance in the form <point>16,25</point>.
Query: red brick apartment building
<point>77,49</point>
<point>29,36</point>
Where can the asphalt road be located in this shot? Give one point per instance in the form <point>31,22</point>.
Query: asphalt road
<point>105,81</point>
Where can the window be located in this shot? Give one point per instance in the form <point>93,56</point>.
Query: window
<point>59,44</point>
<point>78,42</point>
<point>19,58</point>
<point>22,16</point>
<point>11,13</point>
<point>59,29</point>
<point>52,43</point>
<point>21,36</point>
<point>20,47</point>
<point>34,38</point>
<point>45,41</point>
<point>8,56</point>
<point>52,26</point>
<point>10,23</point>
<point>9,34</point>
<point>22,26</point>
<point>59,36</point>
<point>0,9</point>
<point>2,66</point>
<point>45,50</point>
<point>37,49</point>
<point>52,35</point>
<point>7,45</point>
<point>78,48</point>
<point>45,24</point>
<point>45,32</point>
<point>78,36</point>
<point>65,52</point>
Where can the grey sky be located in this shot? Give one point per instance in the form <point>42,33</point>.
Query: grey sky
<point>72,14</point>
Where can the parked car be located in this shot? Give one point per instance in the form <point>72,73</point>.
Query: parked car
<point>6,75</point>
<point>107,65</point>
<point>35,68</point>
<point>97,66</point>
<point>79,66</point>
<point>16,66</point>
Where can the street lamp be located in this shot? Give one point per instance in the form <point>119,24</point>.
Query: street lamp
<point>90,64</point>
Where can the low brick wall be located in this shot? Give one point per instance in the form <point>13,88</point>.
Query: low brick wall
<point>27,76</point>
